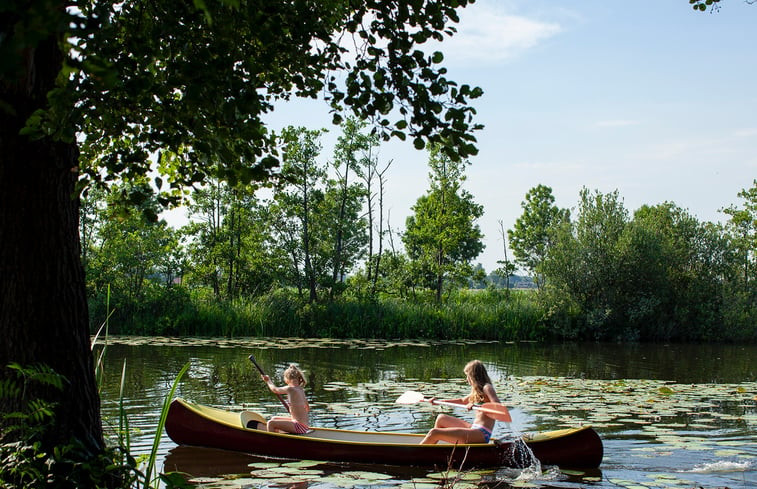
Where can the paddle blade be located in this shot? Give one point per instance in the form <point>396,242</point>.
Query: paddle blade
<point>251,419</point>
<point>410,397</point>
<point>496,411</point>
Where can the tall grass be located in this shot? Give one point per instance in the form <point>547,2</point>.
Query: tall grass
<point>488,315</point>
<point>147,478</point>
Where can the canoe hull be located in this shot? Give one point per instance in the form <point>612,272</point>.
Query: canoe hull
<point>189,424</point>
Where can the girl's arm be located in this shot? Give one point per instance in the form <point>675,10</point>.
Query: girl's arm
<point>272,386</point>
<point>462,400</point>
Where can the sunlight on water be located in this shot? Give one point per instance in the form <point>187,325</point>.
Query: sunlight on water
<point>723,466</point>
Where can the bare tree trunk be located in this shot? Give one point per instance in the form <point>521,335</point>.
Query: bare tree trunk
<point>309,272</point>
<point>368,177</point>
<point>506,263</point>
<point>377,271</point>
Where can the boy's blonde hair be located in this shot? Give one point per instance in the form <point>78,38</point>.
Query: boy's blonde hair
<point>294,373</point>
<point>477,372</point>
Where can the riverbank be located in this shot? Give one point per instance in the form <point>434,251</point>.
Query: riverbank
<point>490,314</point>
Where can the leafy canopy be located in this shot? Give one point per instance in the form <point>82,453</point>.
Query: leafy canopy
<point>191,82</point>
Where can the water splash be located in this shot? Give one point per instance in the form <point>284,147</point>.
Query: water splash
<point>530,468</point>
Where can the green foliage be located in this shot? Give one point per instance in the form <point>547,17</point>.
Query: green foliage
<point>27,461</point>
<point>127,249</point>
<point>250,54</point>
<point>442,236</point>
<point>229,242</point>
<point>149,480</point>
<point>352,164</point>
<point>300,202</point>
<point>702,5</point>
<point>532,237</point>
<point>583,262</point>
<point>743,227</point>
<point>486,314</point>
<point>661,276</point>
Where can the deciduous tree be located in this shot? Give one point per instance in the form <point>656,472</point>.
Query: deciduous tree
<point>532,235</point>
<point>441,235</point>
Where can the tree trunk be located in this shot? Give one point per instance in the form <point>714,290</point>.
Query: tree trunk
<point>43,307</point>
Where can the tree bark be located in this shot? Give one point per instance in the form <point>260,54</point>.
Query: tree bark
<point>43,307</point>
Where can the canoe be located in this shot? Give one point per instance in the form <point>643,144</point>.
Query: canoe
<point>194,424</point>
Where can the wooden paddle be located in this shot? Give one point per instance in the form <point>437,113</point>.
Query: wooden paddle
<point>492,409</point>
<point>252,419</point>
<point>286,404</point>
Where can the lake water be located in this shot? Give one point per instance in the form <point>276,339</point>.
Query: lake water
<point>670,416</point>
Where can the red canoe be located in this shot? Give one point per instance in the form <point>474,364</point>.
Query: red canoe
<point>194,424</point>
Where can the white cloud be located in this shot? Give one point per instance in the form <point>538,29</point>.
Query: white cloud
<point>487,35</point>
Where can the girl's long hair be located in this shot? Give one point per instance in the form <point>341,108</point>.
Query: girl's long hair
<point>477,372</point>
<point>294,373</point>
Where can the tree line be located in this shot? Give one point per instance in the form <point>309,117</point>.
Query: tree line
<point>319,235</point>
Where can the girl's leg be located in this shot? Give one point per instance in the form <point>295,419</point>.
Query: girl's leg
<point>447,421</point>
<point>454,435</point>
<point>280,423</point>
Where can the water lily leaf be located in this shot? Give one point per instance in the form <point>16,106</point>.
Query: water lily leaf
<point>267,474</point>
<point>204,480</point>
<point>263,465</point>
<point>250,482</point>
<point>366,476</point>
<point>302,464</point>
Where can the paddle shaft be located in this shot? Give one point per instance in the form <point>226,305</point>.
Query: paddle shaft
<point>500,415</point>
<point>252,359</point>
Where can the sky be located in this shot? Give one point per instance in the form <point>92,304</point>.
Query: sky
<point>650,99</point>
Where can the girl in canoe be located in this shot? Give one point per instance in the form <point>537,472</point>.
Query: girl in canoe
<point>455,430</point>
<point>299,408</point>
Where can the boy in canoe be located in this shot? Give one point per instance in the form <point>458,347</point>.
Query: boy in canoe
<point>455,430</point>
<point>299,408</point>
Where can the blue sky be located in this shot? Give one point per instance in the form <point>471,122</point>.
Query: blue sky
<point>648,98</point>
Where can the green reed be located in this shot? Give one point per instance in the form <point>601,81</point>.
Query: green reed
<point>124,461</point>
<point>490,315</point>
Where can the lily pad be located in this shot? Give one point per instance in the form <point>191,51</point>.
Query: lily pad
<point>302,464</point>
<point>366,476</point>
<point>263,465</point>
